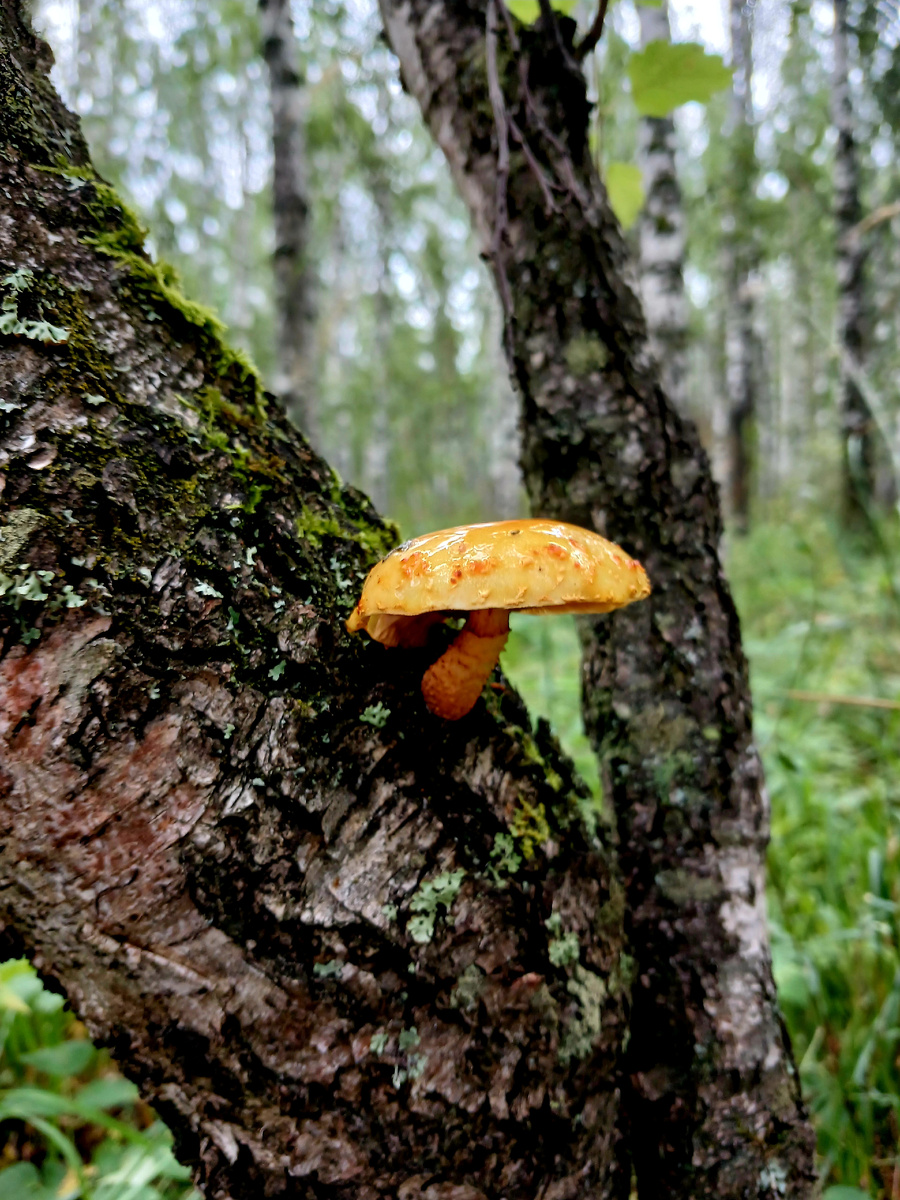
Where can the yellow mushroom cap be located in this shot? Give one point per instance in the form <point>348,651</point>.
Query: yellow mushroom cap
<point>531,565</point>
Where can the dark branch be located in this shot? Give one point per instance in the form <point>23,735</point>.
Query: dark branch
<point>593,35</point>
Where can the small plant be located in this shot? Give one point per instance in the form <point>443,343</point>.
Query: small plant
<point>59,1094</point>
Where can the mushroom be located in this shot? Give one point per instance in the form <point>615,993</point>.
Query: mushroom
<point>486,571</point>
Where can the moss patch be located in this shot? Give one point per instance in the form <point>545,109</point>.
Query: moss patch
<point>117,231</point>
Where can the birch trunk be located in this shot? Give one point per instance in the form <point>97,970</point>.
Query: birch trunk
<point>738,271</point>
<point>662,236</point>
<point>223,819</point>
<point>858,455</point>
<point>712,1105</point>
<point>295,316</point>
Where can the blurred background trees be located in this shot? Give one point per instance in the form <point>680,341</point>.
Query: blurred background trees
<point>777,204</point>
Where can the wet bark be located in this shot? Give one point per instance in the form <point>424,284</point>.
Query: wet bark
<point>310,919</point>
<point>662,236</point>
<point>295,310</point>
<point>712,1106</point>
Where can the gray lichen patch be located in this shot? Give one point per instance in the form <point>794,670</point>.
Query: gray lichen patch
<point>15,533</point>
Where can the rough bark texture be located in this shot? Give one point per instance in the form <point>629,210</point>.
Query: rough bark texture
<point>349,950</point>
<point>857,427</point>
<point>295,340</point>
<point>713,1107</point>
<point>662,236</point>
<point>738,267</point>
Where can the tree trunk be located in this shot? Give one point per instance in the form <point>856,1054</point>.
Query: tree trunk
<point>662,236</point>
<point>738,273</point>
<point>858,464</point>
<point>295,324</point>
<point>712,1105</point>
<point>310,919</point>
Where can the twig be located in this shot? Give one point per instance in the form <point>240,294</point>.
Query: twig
<point>886,212</point>
<point>510,26</point>
<point>550,205</point>
<point>549,18</point>
<point>501,125</point>
<point>593,35</point>
<point>855,701</point>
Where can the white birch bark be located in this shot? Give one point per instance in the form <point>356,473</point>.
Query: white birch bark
<point>294,375</point>
<point>662,235</point>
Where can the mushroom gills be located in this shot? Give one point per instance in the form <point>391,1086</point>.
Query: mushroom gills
<point>453,684</point>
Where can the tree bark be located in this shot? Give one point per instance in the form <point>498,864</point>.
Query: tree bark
<point>712,1105</point>
<point>738,269</point>
<point>295,310</point>
<point>310,919</point>
<point>662,235</point>
<point>858,455</point>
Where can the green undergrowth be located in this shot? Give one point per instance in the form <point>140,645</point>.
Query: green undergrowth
<point>543,661</point>
<point>71,1128</point>
<point>820,620</point>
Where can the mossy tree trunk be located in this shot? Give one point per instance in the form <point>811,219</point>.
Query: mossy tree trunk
<point>712,1107</point>
<point>349,950</point>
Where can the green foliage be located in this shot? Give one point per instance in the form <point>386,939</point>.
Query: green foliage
<point>625,190</point>
<point>542,660</point>
<point>665,75</point>
<point>65,1110</point>
<point>822,621</point>
<point>528,11</point>
<point>817,619</point>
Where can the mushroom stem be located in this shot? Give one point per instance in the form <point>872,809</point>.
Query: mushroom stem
<point>453,684</point>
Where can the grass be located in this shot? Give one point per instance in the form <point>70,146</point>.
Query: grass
<point>819,620</point>
<point>71,1128</point>
<point>823,621</point>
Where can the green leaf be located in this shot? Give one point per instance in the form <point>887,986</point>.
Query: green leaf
<point>528,11</point>
<point>21,1181</point>
<point>842,1192</point>
<point>108,1093</point>
<point>626,191</point>
<point>19,985</point>
<point>666,74</point>
<point>68,1058</point>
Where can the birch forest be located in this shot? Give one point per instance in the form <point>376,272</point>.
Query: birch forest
<point>298,179</point>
